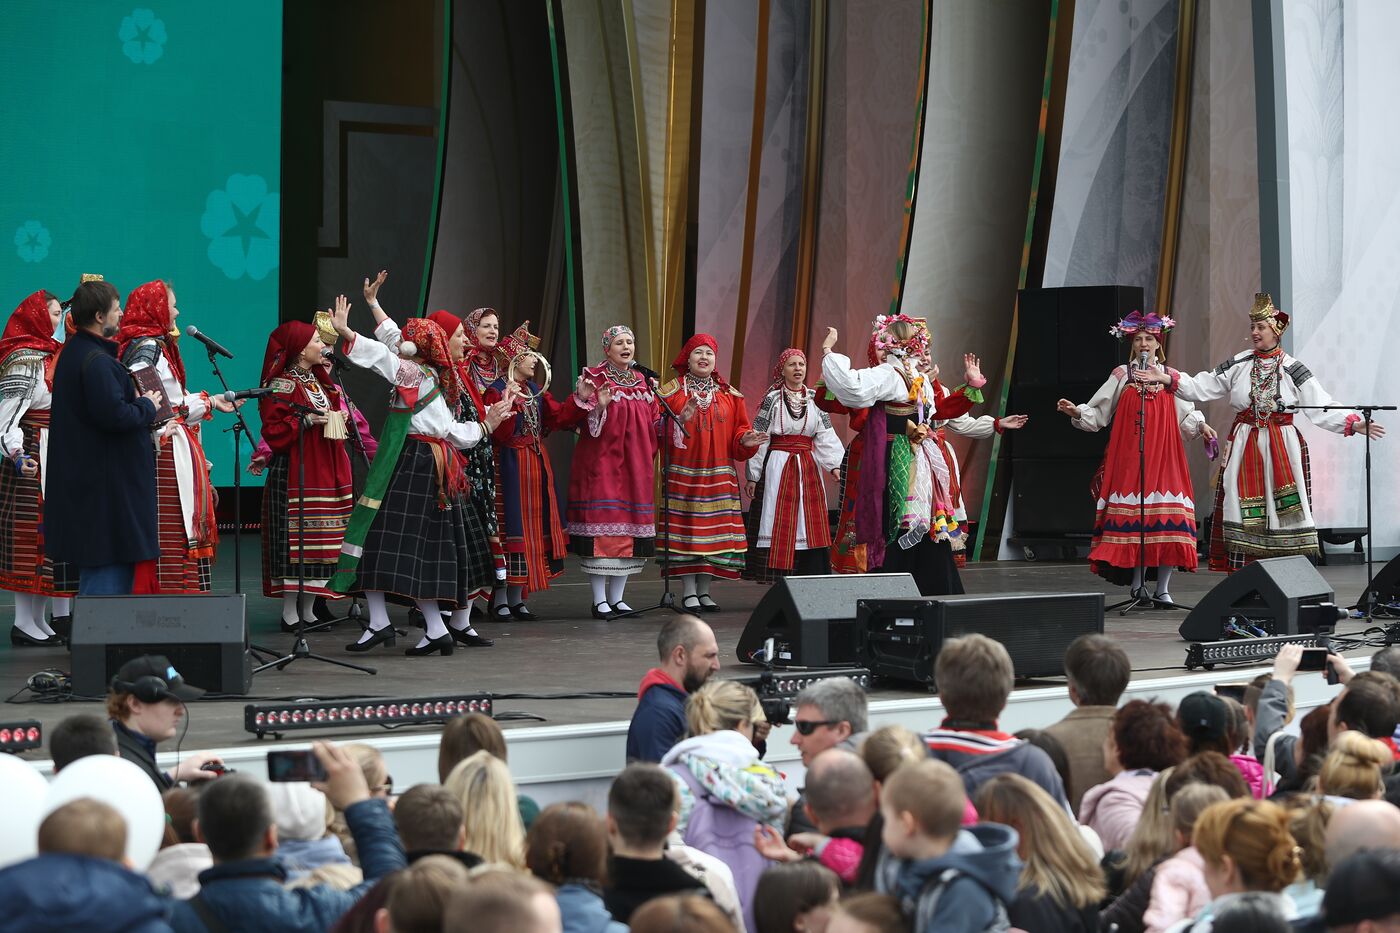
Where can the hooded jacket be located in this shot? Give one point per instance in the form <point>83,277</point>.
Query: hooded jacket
<point>583,911</point>
<point>964,890</point>
<point>659,720</point>
<point>1114,807</point>
<point>76,892</point>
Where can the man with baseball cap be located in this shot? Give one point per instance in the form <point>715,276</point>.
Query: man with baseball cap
<point>146,701</point>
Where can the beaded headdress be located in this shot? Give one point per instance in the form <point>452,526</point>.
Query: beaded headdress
<point>612,333</point>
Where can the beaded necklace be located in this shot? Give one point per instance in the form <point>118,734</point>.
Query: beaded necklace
<point>795,402</point>
<point>1263,383</point>
<point>312,387</point>
<point>483,373</point>
<point>701,389</point>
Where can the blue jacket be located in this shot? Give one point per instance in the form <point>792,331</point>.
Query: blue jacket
<point>100,455</point>
<point>249,896</point>
<point>583,911</point>
<point>966,889</point>
<point>75,892</point>
<point>659,720</point>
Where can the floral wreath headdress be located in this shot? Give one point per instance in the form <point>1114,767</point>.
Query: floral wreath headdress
<point>1149,323</point>
<point>882,339</point>
<point>1264,310</point>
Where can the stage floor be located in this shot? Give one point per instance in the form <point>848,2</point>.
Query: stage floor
<point>569,652</point>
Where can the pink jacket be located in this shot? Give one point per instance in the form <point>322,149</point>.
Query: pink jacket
<point>1112,808</point>
<point>1178,891</point>
<point>1253,774</point>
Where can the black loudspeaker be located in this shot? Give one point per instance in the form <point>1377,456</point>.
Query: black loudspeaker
<point>901,638</point>
<point>812,620</point>
<point>1386,583</point>
<point>1062,333</point>
<point>1282,595</point>
<point>205,638</point>
<point>1052,497</point>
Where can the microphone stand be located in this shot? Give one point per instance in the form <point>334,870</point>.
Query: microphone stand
<point>240,428</point>
<point>300,649</point>
<point>1141,599</point>
<point>668,599</point>
<point>1367,603</point>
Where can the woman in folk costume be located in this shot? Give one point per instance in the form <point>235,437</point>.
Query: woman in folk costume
<point>903,513</point>
<point>963,425</point>
<point>28,352</point>
<point>611,520</point>
<point>185,496</point>
<point>706,526</point>
<point>790,532</point>
<point>413,532</point>
<point>486,359</point>
<point>1263,503</point>
<point>846,555</point>
<point>305,448</point>
<point>1170,534</point>
<point>532,534</point>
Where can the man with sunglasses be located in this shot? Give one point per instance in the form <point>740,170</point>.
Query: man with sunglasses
<point>689,657</point>
<point>831,713</point>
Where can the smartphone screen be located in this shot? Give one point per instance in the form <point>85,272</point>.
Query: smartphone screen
<point>294,766</point>
<point>1231,691</point>
<point>1314,659</point>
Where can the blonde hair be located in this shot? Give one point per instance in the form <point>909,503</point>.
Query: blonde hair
<point>932,792</point>
<point>890,747</point>
<point>494,830</point>
<point>1059,863</point>
<point>1254,833</point>
<point>1190,802</point>
<point>1308,818</point>
<point>335,875</point>
<point>721,705</point>
<point>1153,836</point>
<point>1352,767</point>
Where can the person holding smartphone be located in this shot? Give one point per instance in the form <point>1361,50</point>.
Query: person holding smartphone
<point>146,701</point>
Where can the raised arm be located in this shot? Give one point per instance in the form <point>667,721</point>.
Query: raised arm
<point>366,354</point>
<point>1097,413</point>
<point>1337,420</point>
<point>371,290</point>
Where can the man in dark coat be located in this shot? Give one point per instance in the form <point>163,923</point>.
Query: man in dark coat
<point>100,502</point>
<point>689,656</point>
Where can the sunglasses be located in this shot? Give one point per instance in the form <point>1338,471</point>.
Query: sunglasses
<point>808,726</point>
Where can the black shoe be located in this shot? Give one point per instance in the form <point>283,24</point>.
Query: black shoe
<point>692,604</point>
<point>606,612</point>
<point>20,639</point>
<point>288,628</point>
<point>708,604</point>
<point>63,627</point>
<point>1163,601</point>
<point>440,645</point>
<point>321,610</point>
<point>502,613</point>
<point>523,613</point>
<point>470,639</point>
<point>384,636</point>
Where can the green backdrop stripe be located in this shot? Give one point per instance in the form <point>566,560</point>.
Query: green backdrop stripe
<point>444,99</point>
<point>561,132</point>
<point>1002,396</point>
<point>144,143</point>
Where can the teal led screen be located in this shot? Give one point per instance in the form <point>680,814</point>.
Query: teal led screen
<point>143,142</point>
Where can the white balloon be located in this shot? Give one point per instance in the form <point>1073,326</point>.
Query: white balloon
<point>123,786</point>
<point>23,790</point>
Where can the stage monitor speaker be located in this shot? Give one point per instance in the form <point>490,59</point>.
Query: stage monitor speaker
<point>205,638</point>
<point>1281,595</point>
<point>900,638</point>
<point>813,619</point>
<point>1386,583</point>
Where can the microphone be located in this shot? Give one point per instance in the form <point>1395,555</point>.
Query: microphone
<point>1142,360</point>
<point>649,373</point>
<point>245,393</point>
<point>213,345</point>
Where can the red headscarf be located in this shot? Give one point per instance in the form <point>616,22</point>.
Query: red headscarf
<point>284,346</point>
<point>31,328</point>
<point>148,315</point>
<point>681,364</point>
<point>431,345</point>
<point>783,357</point>
<point>448,321</point>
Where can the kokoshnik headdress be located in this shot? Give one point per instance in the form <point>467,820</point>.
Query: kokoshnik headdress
<point>1265,311</point>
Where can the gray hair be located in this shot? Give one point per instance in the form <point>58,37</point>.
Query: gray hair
<point>1387,661</point>
<point>840,699</point>
<point>838,784</point>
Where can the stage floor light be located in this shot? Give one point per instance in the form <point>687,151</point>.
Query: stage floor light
<point>276,718</point>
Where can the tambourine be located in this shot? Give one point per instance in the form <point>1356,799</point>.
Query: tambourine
<point>548,373</point>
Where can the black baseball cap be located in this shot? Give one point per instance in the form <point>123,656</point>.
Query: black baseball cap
<point>1365,886</point>
<point>1203,715</point>
<point>159,667</point>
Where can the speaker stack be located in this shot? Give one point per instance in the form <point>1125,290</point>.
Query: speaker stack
<point>205,638</point>
<point>1281,595</point>
<point>812,620</point>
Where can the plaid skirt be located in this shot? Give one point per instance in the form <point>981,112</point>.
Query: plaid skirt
<point>24,567</point>
<point>417,550</point>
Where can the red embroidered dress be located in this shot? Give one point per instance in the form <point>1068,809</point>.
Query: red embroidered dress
<point>184,494</point>
<point>329,489</point>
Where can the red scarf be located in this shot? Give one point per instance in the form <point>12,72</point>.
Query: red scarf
<point>431,342</point>
<point>148,315</point>
<point>284,348</point>
<point>31,328</point>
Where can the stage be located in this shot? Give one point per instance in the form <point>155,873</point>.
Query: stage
<point>566,652</point>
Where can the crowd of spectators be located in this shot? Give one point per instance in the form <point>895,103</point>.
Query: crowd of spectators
<point>1206,817</point>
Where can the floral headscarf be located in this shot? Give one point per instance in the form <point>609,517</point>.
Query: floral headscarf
<point>430,344</point>
<point>31,328</point>
<point>783,357</point>
<point>148,315</point>
<point>612,333</point>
